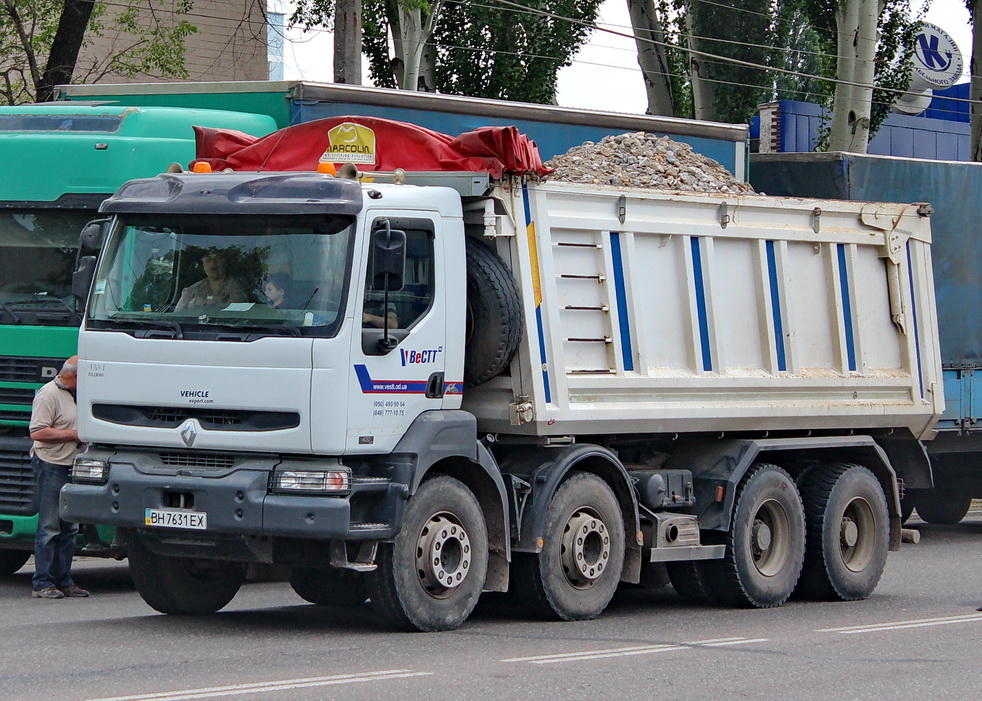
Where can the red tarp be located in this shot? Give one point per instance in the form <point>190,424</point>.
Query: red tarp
<point>371,143</point>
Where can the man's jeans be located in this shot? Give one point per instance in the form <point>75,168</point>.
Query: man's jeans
<point>54,543</point>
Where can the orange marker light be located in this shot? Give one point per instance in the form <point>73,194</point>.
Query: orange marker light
<point>327,168</point>
<point>201,167</point>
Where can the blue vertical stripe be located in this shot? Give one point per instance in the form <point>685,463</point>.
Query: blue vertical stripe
<point>707,358</point>
<point>846,308</point>
<point>917,329</point>
<point>782,363</point>
<point>538,306</point>
<point>621,296</point>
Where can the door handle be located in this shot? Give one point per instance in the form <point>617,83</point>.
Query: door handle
<point>434,386</point>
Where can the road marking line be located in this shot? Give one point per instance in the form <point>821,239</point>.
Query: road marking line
<point>630,651</point>
<point>260,687</point>
<point>724,643</point>
<point>899,625</point>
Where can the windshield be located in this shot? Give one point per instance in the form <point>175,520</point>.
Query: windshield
<point>37,258</point>
<point>223,277</point>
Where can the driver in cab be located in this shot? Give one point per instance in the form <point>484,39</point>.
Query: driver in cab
<point>216,288</point>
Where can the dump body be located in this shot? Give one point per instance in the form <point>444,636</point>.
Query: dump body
<point>665,312</point>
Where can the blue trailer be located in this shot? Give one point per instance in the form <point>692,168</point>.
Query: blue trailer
<point>954,191</point>
<point>554,129</point>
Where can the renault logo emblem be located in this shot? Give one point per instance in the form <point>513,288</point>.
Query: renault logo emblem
<point>189,433</point>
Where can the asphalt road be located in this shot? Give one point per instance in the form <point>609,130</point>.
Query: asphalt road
<point>918,636</point>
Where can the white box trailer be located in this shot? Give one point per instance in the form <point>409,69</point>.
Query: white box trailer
<point>649,311</point>
<point>725,392</point>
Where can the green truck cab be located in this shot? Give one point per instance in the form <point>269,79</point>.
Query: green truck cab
<point>61,160</point>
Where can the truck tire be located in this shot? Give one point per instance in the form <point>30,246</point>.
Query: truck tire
<point>432,575</point>
<point>329,587</point>
<point>690,582</point>
<point>943,507</point>
<point>12,560</point>
<point>765,545</point>
<point>183,585</point>
<point>494,315</point>
<point>577,572</point>
<point>848,534</point>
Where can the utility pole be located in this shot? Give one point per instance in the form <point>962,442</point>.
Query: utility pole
<point>347,42</point>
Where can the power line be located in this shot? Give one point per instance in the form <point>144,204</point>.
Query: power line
<point>707,55</point>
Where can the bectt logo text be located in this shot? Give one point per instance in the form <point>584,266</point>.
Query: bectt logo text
<point>419,357</point>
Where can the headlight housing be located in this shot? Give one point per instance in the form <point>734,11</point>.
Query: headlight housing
<point>292,481</point>
<point>90,470</point>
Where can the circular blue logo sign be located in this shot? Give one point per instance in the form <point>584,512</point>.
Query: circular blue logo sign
<point>937,60</point>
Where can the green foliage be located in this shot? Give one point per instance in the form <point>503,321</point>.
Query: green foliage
<point>738,29</point>
<point>145,40</point>
<point>897,31</point>
<point>802,52</point>
<point>504,53</point>
<point>150,48</point>
<point>477,49</point>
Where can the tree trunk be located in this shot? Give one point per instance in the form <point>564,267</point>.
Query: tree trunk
<point>347,42</point>
<point>416,29</point>
<point>703,95</point>
<point>975,89</point>
<point>856,24</point>
<point>65,47</point>
<point>653,58</point>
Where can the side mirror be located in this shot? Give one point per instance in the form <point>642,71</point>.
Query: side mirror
<point>82,280</point>
<point>92,236</point>
<point>388,258</point>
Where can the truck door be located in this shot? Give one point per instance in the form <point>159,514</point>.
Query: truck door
<point>396,380</point>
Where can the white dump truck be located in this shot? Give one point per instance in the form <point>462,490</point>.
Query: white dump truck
<point>414,389</point>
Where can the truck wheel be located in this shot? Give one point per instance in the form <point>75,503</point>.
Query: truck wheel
<point>690,582</point>
<point>183,585</point>
<point>765,545</point>
<point>579,568</point>
<point>12,560</point>
<point>942,506</point>
<point>329,587</point>
<point>494,315</point>
<point>431,576</point>
<point>848,534</point>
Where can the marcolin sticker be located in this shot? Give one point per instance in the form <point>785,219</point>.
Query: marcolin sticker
<point>350,143</point>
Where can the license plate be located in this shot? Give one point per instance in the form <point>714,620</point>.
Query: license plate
<point>164,518</point>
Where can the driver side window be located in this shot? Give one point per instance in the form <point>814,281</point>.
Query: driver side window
<point>406,306</point>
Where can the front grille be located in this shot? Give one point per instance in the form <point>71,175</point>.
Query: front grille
<point>16,482</point>
<point>14,415</point>
<point>18,369</point>
<point>203,460</point>
<point>210,419</point>
<point>16,395</point>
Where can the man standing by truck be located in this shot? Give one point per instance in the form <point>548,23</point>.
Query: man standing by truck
<point>53,430</point>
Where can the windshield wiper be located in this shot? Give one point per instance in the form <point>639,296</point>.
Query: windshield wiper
<point>153,323</point>
<point>7,308</point>
<point>246,328</point>
<point>45,301</point>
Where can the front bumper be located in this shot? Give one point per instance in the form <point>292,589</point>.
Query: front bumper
<point>237,503</point>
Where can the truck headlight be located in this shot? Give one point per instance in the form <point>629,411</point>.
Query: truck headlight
<point>312,481</point>
<point>92,470</point>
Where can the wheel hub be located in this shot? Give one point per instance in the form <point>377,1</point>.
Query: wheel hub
<point>443,555</point>
<point>849,532</point>
<point>761,536</point>
<point>585,548</point>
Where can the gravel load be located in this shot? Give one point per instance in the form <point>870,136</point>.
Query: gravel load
<point>641,159</point>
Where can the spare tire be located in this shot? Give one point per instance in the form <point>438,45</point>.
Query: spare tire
<point>494,315</point>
